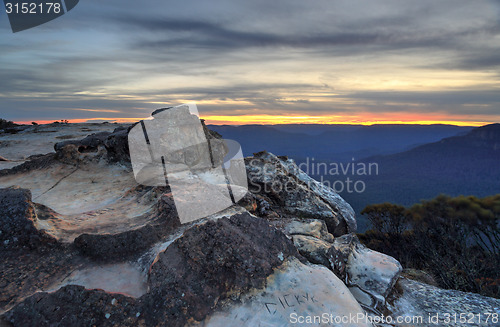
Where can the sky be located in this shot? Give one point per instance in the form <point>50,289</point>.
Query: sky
<point>243,62</point>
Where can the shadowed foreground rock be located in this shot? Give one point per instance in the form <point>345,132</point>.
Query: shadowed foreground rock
<point>17,220</point>
<point>209,263</point>
<point>75,306</point>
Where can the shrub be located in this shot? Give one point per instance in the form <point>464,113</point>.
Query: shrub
<point>457,240</point>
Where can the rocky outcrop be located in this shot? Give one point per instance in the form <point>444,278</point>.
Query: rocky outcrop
<point>211,262</point>
<point>439,307</point>
<point>295,295</point>
<point>283,190</point>
<point>110,145</point>
<point>17,220</point>
<point>313,249</point>
<point>371,275</point>
<point>285,253</point>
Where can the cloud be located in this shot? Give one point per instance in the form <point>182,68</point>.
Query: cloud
<point>256,57</point>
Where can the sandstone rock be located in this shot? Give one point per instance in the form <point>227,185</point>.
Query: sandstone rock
<point>417,299</point>
<point>309,227</point>
<point>249,202</point>
<point>211,262</point>
<point>294,290</point>
<point>113,145</point>
<point>17,220</point>
<point>327,194</point>
<point>117,145</point>
<point>120,246</point>
<point>75,306</point>
<point>419,276</point>
<point>291,194</point>
<point>371,275</point>
<point>87,144</point>
<point>34,162</point>
<point>313,249</point>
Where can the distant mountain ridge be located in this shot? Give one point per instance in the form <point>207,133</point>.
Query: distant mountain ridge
<point>334,142</point>
<point>460,165</point>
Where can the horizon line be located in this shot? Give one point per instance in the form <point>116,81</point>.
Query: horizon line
<point>279,120</point>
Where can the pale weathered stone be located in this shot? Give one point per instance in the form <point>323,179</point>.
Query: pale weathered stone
<point>439,307</point>
<point>295,290</point>
<point>372,272</point>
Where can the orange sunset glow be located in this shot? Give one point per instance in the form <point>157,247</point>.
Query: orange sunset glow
<point>276,120</point>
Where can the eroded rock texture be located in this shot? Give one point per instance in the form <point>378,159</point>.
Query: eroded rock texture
<point>283,190</point>
<point>162,220</point>
<point>18,220</point>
